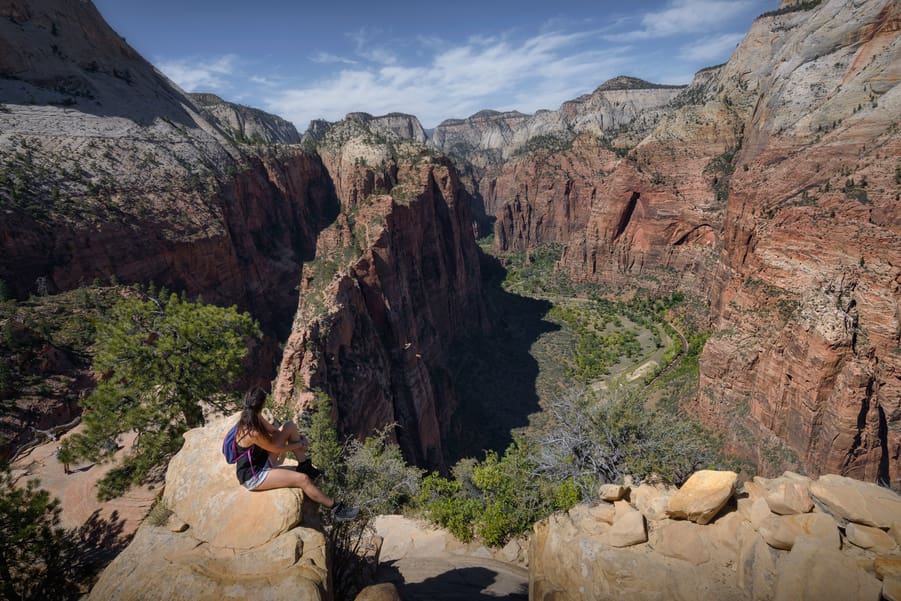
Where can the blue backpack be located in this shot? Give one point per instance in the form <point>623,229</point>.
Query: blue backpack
<point>230,446</point>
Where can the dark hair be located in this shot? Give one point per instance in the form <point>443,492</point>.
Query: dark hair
<point>250,416</point>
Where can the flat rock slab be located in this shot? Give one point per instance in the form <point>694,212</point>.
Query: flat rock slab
<point>857,501</point>
<point>455,578</point>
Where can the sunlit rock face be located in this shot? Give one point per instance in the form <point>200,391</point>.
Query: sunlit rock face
<point>221,541</point>
<point>768,190</point>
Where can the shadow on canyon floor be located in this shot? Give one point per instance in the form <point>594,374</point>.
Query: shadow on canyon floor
<point>496,374</point>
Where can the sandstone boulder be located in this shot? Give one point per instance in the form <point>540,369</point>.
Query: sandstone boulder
<point>814,572</point>
<point>788,498</point>
<point>782,532</point>
<point>652,500</point>
<point>237,544</point>
<point>857,501</point>
<point>702,496</point>
<point>628,529</point>
<point>867,537</point>
<point>891,588</point>
<point>760,512</point>
<point>887,566</point>
<point>385,591</point>
<point>612,492</point>
<point>682,540</point>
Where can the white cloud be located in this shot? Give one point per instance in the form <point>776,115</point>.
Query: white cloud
<point>327,57</point>
<point>459,80</point>
<point>685,16</point>
<point>200,75</point>
<point>712,48</point>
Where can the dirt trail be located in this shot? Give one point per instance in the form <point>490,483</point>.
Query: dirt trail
<point>77,491</point>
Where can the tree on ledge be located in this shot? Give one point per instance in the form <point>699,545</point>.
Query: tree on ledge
<point>160,358</point>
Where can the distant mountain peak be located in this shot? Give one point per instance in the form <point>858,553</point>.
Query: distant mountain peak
<point>624,82</point>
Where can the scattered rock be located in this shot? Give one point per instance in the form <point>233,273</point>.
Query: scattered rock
<point>612,492</point>
<point>813,572</point>
<point>867,537</point>
<point>702,495</point>
<point>628,529</point>
<point>652,500</point>
<point>783,531</point>
<point>789,498</point>
<point>857,501</point>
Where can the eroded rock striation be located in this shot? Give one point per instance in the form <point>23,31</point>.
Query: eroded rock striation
<point>768,190</point>
<point>395,280</point>
<point>247,124</point>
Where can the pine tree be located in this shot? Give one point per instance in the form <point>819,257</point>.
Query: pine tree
<point>159,360</point>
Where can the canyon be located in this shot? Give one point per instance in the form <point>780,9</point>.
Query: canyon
<point>766,190</point>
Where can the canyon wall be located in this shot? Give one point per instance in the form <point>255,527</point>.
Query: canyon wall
<point>395,280</point>
<point>767,190</point>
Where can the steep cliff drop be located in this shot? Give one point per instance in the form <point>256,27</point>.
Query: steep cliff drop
<point>395,280</point>
<point>769,193</point>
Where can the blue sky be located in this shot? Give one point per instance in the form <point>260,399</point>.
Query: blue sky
<point>306,60</point>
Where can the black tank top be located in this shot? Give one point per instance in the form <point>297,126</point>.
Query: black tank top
<point>250,464</point>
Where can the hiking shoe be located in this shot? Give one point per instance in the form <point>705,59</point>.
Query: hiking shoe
<point>343,513</point>
<point>306,467</point>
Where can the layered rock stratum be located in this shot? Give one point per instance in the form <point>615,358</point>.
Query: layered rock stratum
<point>768,190</point>
<point>395,280</point>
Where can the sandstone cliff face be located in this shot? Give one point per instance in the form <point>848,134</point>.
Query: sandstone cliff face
<point>807,298</point>
<point>395,280</point>
<point>769,189</point>
<point>247,124</point>
<point>107,169</point>
<point>221,541</point>
<point>490,136</point>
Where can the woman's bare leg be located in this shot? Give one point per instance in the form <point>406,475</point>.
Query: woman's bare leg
<point>288,478</point>
<point>286,434</point>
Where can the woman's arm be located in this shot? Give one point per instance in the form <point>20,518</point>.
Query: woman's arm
<point>270,446</point>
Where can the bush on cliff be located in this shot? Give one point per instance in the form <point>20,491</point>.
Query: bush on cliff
<point>160,359</point>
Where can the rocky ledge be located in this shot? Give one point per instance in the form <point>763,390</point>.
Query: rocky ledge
<point>785,538</point>
<point>220,541</point>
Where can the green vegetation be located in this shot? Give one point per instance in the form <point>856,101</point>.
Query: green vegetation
<point>162,357</point>
<point>808,5</point>
<point>721,168</point>
<point>550,143</point>
<point>589,440</point>
<point>371,475</point>
<point>41,561</point>
<point>43,338</point>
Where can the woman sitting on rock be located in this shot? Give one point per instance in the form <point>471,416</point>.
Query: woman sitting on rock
<point>261,468</point>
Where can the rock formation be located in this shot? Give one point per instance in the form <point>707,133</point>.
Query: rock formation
<point>746,552</point>
<point>490,136</point>
<point>768,191</point>
<point>220,541</point>
<point>247,124</point>
<point>108,170</point>
<point>396,278</point>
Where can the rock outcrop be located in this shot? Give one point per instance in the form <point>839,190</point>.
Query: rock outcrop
<point>220,541</point>
<point>247,124</point>
<point>109,170</point>
<point>395,280</point>
<point>579,555</point>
